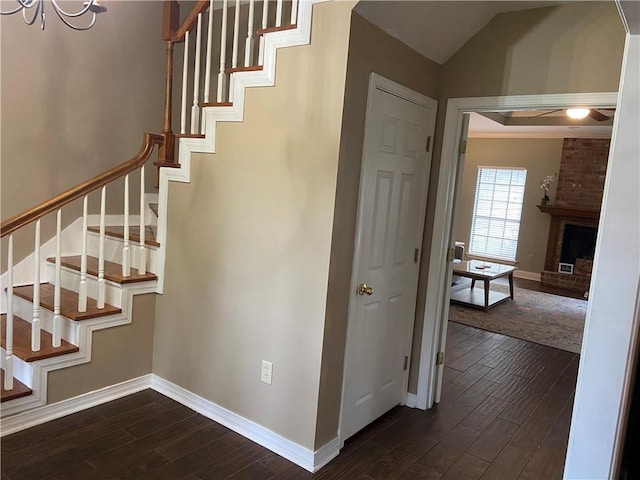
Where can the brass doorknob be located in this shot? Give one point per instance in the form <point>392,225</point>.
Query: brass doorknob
<point>364,290</point>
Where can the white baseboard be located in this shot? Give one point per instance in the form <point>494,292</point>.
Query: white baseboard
<point>326,453</point>
<point>527,275</point>
<point>301,456</point>
<point>297,454</point>
<point>46,413</point>
<point>412,400</point>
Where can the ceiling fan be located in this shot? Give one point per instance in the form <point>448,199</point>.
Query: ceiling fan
<point>594,113</point>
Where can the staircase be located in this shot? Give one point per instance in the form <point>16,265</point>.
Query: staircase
<point>85,277</point>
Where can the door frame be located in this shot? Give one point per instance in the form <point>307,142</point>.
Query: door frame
<point>450,163</point>
<point>377,81</point>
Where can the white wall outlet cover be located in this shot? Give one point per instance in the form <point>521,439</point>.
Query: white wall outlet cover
<point>267,372</point>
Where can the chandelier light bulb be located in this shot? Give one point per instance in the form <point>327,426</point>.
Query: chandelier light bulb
<point>577,113</point>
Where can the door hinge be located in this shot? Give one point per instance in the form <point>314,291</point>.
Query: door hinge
<point>463,147</point>
<point>428,143</point>
<point>416,255</point>
<point>440,358</point>
<point>450,254</point>
<point>406,362</point>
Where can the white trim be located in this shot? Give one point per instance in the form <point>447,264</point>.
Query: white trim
<point>378,82</point>
<point>535,276</point>
<point>412,400</point>
<point>436,294</point>
<point>80,334</point>
<point>46,413</point>
<point>301,456</point>
<point>326,453</point>
<point>293,452</point>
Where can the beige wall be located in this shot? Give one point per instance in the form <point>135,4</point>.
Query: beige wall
<point>76,103</point>
<point>541,157</point>
<point>370,50</point>
<point>119,354</point>
<point>249,240</point>
<point>568,48</point>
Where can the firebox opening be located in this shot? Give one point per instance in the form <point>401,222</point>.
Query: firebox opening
<point>578,242</point>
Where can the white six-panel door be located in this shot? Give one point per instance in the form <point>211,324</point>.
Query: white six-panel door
<point>393,188</point>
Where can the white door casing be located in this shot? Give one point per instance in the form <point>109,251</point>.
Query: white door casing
<point>437,295</point>
<point>393,188</point>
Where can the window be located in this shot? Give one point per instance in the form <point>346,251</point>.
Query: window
<point>497,211</point>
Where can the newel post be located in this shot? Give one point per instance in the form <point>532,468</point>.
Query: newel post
<point>170,25</point>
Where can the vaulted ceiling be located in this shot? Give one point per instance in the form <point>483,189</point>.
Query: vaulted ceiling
<point>425,26</point>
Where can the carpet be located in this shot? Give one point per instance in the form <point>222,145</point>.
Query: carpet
<point>538,317</point>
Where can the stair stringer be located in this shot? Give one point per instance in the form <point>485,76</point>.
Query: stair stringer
<point>234,113</point>
<point>14,416</point>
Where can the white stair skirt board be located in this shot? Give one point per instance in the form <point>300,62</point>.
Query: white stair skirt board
<point>301,456</point>
<point>78,333</point>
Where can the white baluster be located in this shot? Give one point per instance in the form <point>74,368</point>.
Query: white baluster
<point>57,319</point>
<point>236,35</point>
<point>126,251</point>
<point>265,20</point>
<point>8,351</point>
<point>82,288</point>
<point>294,12</point>
<point>222,76</point>
<point>35,323</point>
<point>185,72</point>
<point>100,300</point>
<point>279,13</point>
<point>207,68</point>
<point>248,44</point>
<point>195,108</point>
<point>142,257</point>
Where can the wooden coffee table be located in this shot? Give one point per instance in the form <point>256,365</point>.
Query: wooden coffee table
<point>484,271</point>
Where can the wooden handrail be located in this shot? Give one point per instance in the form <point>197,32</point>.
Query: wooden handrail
<point>190,22</point>
<point>33,214</point>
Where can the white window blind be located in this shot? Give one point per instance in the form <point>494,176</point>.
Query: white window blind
<point>497,211</point>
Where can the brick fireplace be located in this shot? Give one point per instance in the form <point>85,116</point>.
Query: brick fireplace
<point>575,212</point>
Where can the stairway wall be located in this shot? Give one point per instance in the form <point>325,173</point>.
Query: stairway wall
<point>248,244</point>
<point>75,104</point>
<point>118,354</point>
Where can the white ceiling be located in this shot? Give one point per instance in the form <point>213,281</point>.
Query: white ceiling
<point>482,127</point>
<point>428,26</point>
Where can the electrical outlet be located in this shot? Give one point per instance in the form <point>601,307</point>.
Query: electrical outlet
<point>267,372</point>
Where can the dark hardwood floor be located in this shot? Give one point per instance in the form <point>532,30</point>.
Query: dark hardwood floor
<point>505,414</point>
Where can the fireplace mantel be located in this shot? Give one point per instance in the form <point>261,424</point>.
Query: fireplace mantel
<point>568,212</point>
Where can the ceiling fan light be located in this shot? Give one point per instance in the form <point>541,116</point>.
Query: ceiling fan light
<point>577,113</point>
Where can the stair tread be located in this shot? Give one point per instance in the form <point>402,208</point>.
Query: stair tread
<point>134,233</point>
<point>22,341</point>
<point>216,104</point>
<point>112,271</point>
<point>154,208</point>
<point>68,302</point>
<point>19,389</point>
<point>262,31</point>
<point>253,68</point>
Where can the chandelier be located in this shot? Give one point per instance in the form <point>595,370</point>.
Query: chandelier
<point>37,7</point>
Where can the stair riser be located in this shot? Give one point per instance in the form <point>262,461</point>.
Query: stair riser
<point>24,310</point>
<point>70,279</point>
<point>22,370</point>
<point>113,251</point>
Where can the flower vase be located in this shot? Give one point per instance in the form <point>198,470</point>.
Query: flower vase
<point>543,202</point>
